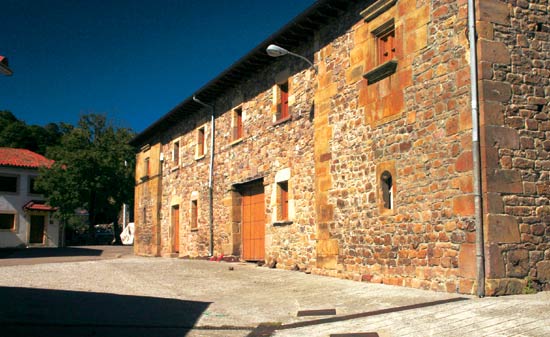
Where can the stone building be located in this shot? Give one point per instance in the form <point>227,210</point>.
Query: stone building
<point>382,163</point>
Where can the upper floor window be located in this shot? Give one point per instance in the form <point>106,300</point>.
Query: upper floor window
<point>8,184</point>
<point>147,167</point>
<point>385,45</point>
<point>200,142</point>
<point>282,103</point>
<point>32,186</point>
<point>176,153</point>
<point>238,123</point>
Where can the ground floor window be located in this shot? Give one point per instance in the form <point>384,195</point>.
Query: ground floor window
<point>7,221</point>
<point>194,214</point>
<point>282,189</point>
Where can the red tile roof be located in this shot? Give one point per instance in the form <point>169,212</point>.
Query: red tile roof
<point>22,158</point>
<point>36,205</point>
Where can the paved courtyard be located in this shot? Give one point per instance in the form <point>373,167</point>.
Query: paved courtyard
<point>122,295</point>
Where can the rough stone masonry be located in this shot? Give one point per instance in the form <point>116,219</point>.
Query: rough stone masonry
<point>363,166</point>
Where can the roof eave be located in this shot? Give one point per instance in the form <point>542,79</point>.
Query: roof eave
<point>305,24</point>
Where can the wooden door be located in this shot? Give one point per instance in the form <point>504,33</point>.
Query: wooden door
<point>37,229</point>
<point>253,222</point>
<point>175,229</point>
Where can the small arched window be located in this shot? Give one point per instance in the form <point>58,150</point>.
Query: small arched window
<point>386,182</point>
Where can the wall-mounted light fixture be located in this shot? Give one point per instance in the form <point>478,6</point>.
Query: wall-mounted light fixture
<point>276,51</point>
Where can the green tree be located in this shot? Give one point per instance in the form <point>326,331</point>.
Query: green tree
<point>93,170</point>
<point>17,134</point>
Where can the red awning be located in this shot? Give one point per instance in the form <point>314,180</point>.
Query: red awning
<point>35,205</point>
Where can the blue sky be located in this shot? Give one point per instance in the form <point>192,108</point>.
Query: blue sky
<point>133,60</point>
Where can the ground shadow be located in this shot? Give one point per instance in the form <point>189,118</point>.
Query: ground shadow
<point>45,312</point>
<point>31,253</point>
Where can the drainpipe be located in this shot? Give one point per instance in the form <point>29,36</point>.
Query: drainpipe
<point>210,174</point>
<point>476,156</point>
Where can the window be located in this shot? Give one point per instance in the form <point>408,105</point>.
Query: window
<point>386,48</point>
<point>7,221</point>
<point>175,228</point>
<point>282,103</point>
<point>8,184</point>
<point>194,214</point>
<point>237,123</point>
<point>385,44</point>
<point>386,183</point>
<point>147,167</point>
<point>200,142</point>
<point>176,153</point>
<point>32,186</point>
<point>282,189</point>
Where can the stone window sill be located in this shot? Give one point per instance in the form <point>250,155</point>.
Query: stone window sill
<point>175,168</point>
<point>281,223</point>
<point>282,120</point>
<point>237,141</point>
<point>197,158</point>
<point>382,71</point>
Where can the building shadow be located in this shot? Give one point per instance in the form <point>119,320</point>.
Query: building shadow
<point>31,253</point>
<point>60,313</point>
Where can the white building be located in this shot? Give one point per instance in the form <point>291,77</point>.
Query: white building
<point>25,219</point>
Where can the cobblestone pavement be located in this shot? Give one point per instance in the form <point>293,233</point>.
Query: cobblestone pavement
<point>136,296</point>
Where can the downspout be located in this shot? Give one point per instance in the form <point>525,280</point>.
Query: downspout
<point>476,155</point>
<point>210,174</point>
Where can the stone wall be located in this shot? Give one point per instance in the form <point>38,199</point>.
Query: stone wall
<point>377,154</point>
<point>267,149</point>
<point>413,124</point>
<point>514,63</point>
<point>147,197</point>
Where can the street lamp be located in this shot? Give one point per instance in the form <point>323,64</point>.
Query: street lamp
<point>276,51</point>
<point>4,69</point>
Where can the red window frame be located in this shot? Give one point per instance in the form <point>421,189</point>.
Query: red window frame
<point>238,126</point>
<point>147,167</point>
<point>283,200</point>
<point>386,48</point>
<point>194,214</point>
<point>176,154</point>
<point>200,142</point>
<point>283,102</point>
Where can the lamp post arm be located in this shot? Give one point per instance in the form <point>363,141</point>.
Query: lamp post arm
<point>305,59</point>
